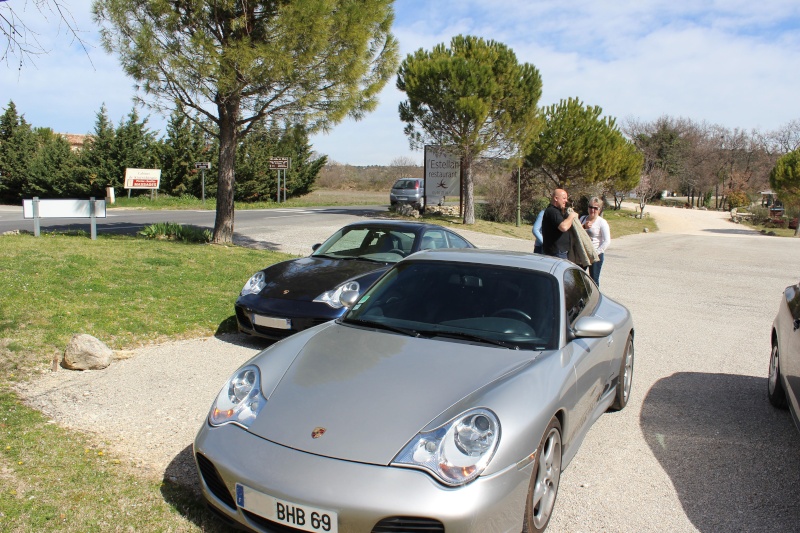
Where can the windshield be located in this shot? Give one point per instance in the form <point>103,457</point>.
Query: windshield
<point>509,307</point>
<point>369,243</point>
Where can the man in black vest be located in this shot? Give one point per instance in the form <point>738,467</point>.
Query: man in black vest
<point>556,224</point>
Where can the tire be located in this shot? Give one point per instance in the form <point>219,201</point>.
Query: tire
<point>623,392</point>
<point>775,391</point>
<point>545,478</point>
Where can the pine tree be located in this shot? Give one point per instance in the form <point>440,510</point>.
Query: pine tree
<point>17,148</point>
<point>52,171</point>
<point>98,169</point>
<point>134,146</point>
<point>182,147</point>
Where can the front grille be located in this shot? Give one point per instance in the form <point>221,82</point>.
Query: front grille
<point>214,481</point>
<point>408,524</point>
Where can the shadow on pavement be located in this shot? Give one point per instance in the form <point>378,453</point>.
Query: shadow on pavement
<point>730,455</point>
<point>181,489</point>
<point>733,231</point>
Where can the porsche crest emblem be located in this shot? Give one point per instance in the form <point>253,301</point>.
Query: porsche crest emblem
<point>286,291</point>
<point>318,432</point>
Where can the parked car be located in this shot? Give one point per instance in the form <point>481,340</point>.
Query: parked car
<point>294,295</point>
<point>783,385</point>
<point>449,397</point>
<point>408,191</point>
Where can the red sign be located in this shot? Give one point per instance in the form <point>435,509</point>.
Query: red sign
<point>143,184</point>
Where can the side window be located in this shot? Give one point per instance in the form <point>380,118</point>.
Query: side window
<point>454,241</point>
<point>592,291</point>
<point>432,239</point>
<point>576,295</point>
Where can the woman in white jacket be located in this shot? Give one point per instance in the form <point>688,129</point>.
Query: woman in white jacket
<point>597,228</point>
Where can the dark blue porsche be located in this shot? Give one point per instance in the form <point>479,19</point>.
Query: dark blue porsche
<point>294,295</point>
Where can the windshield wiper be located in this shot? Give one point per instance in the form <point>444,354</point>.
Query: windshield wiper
<point>381,325</point>
<point>471,337</point>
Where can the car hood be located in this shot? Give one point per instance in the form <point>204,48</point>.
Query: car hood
<point>371,391</point>
<point>308,277</point>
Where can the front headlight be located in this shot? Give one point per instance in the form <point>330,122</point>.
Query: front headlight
<point>240,400</point>
<point>332,297</point>
<point>457,452</point>
<point>255,284</point>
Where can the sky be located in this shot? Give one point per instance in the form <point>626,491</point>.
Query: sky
<point>734,63</point>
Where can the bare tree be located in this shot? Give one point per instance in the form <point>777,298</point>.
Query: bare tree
<point>787,138</point>
<point>22,42</point>
<point>648,187</point>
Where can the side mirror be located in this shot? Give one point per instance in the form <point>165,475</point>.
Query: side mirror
<point>314,248</point>
<point>592,327</point>
<point>349,298</point>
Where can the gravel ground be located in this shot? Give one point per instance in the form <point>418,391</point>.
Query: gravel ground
<point>697,449</point>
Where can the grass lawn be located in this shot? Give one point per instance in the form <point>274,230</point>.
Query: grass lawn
<point>127,292</point>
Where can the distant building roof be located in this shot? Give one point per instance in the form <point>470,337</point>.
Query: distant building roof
<point>75,140</point>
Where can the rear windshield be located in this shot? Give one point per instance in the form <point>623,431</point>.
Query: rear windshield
<point>406,184</point>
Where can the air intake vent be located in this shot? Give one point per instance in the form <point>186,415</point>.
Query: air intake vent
<point>408,524</point>
<point>214,481</point>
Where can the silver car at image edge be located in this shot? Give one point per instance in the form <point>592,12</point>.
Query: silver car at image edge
<point>449,397</point>
<point>783,384</point>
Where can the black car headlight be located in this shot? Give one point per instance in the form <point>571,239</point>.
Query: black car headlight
<point>240,400</point>
<point>255,284</point>
<point>332,297</point>
<point>457,452</point>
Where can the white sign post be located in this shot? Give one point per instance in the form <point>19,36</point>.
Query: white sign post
<point>442,174</point>
<point>38,209</point>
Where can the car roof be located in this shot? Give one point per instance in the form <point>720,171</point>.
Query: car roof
<point>395,224</point>
<point>530,261</point>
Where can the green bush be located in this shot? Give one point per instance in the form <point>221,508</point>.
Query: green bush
<point>738,199</point>
<point>176,232</point>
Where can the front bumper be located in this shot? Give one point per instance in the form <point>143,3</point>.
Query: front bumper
<point>363,495</point>
<point>302,316</point>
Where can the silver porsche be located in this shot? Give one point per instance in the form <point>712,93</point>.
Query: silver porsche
<point>449,397</point>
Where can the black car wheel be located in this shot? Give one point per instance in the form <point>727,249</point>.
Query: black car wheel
<point>545,478</point>
<point>625,380</point>
<point>775,392</point>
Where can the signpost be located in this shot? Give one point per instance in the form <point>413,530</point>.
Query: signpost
<point>280,164</point>
<point>38,209</point>
<point>142,178</point>
<point>442,174</point>
<point>203,166</point>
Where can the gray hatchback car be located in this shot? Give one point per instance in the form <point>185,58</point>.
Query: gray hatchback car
<point>408,191</point>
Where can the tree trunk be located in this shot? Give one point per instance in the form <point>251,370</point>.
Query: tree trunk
<point>223,224</point>
<point>469,198</point>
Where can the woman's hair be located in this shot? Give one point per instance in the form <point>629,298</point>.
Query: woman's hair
<point>595,200</point>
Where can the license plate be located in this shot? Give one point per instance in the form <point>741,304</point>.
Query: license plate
<point>303,517</point>
<point>272,322</point>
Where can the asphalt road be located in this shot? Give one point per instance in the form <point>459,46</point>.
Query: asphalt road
<point>246,221</point>
<point>698,448</point>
